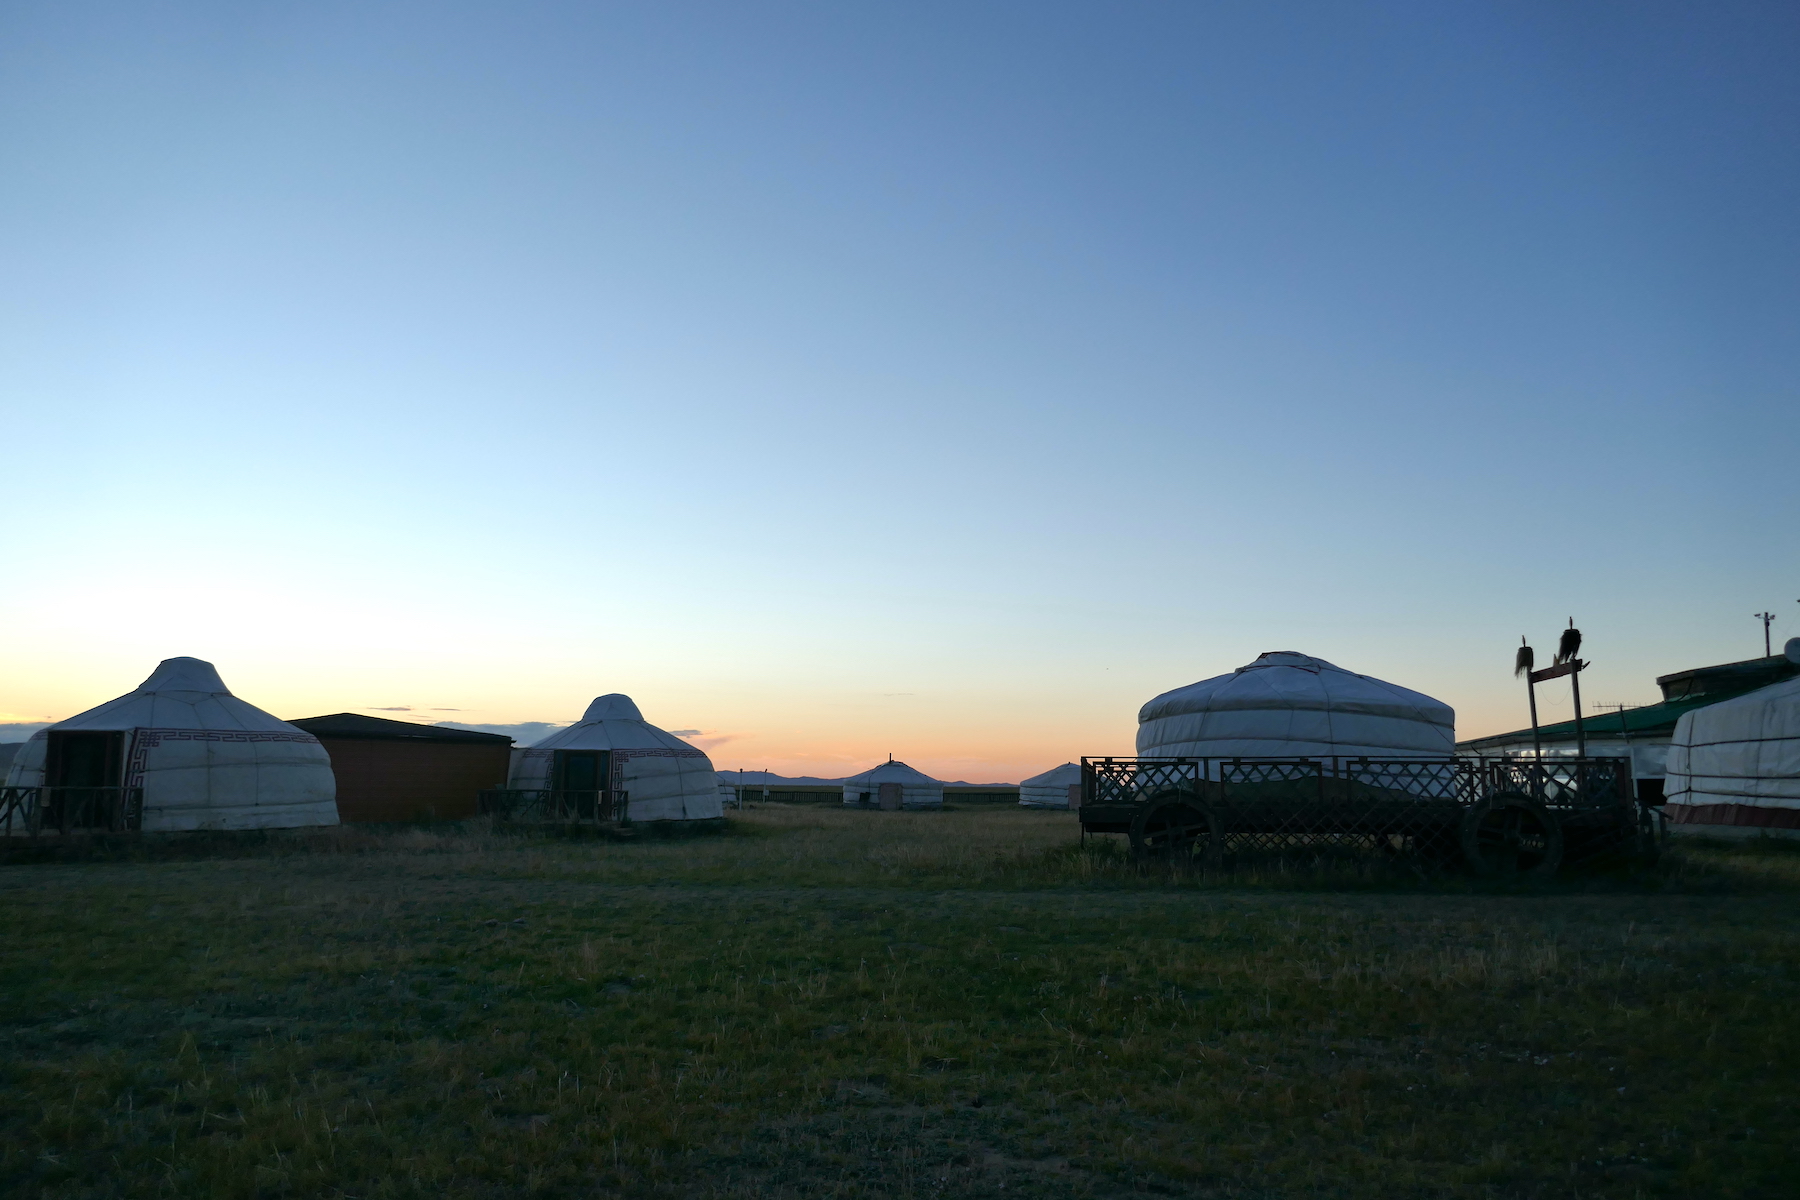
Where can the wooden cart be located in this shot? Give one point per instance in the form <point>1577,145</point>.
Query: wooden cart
<point>1503,816</point>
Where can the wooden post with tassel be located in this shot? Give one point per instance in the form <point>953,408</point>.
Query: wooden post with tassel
<point>1575,685</point>
<point>1566,664</point>
<point>1522,664</point>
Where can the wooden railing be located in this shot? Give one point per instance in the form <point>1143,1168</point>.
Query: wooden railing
<point>558,805</point>
<point>34,811</point>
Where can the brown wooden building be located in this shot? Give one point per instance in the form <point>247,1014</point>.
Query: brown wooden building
<point>399,771</point>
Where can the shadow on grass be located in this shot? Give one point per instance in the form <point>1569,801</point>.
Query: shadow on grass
<point>1753,847</point>
<point>1689,867</point>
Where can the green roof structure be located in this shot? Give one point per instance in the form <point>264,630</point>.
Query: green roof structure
<point>1682,691</point>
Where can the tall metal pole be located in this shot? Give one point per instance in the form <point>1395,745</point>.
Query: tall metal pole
<point>1765,618</point>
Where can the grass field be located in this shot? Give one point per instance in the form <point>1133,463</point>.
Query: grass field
<point>858,1004</point>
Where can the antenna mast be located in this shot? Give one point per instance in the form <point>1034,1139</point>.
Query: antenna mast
<point>1766,618</point>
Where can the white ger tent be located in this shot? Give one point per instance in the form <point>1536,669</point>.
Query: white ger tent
<point>205,759</point>
<point>1737,762</point>
<point>915,789</point>
<point>1051,789</point>
<point>663,777</point>
<point>1291,705</point>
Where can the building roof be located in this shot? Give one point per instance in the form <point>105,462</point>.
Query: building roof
<point>1684,691</point>
<point>1650,721</point>
<point>1728,679</point>
<point>356,725</point>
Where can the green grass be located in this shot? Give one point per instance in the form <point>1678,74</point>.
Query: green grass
<point>860,1004</point>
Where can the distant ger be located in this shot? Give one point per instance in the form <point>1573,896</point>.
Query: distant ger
<point>1059,787</point>
<point>893,785</point>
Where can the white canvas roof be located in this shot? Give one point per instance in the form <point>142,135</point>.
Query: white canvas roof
<point>1742,751</point>
<point>1050,789</point>
<point>917,788</point>
<point>893,772</point>
<point>665,778</point>
<point>613,722</point>
<point>205,759</point>
<point>1288,704</point>
<point>1055,777</point>
<point>182,693</point>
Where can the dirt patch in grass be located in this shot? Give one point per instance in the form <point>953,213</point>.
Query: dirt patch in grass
<point>860,1004</point>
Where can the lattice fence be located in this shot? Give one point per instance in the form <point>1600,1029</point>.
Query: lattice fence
<point>554,805</point>
<point>33,811</point>
<point>1493,811</point>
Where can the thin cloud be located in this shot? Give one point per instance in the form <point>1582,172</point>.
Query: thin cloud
<point>446,710</point>
<point>389,708</point>
<point>705,739</point>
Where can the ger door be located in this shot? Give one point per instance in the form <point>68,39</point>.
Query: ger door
<point>581,778</point>
<point>84,771</point>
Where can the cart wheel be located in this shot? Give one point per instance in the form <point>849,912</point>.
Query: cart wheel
<point>1511,834</point>
<point>1175,831</point>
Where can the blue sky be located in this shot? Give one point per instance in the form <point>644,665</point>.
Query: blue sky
<point>840,380</point>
